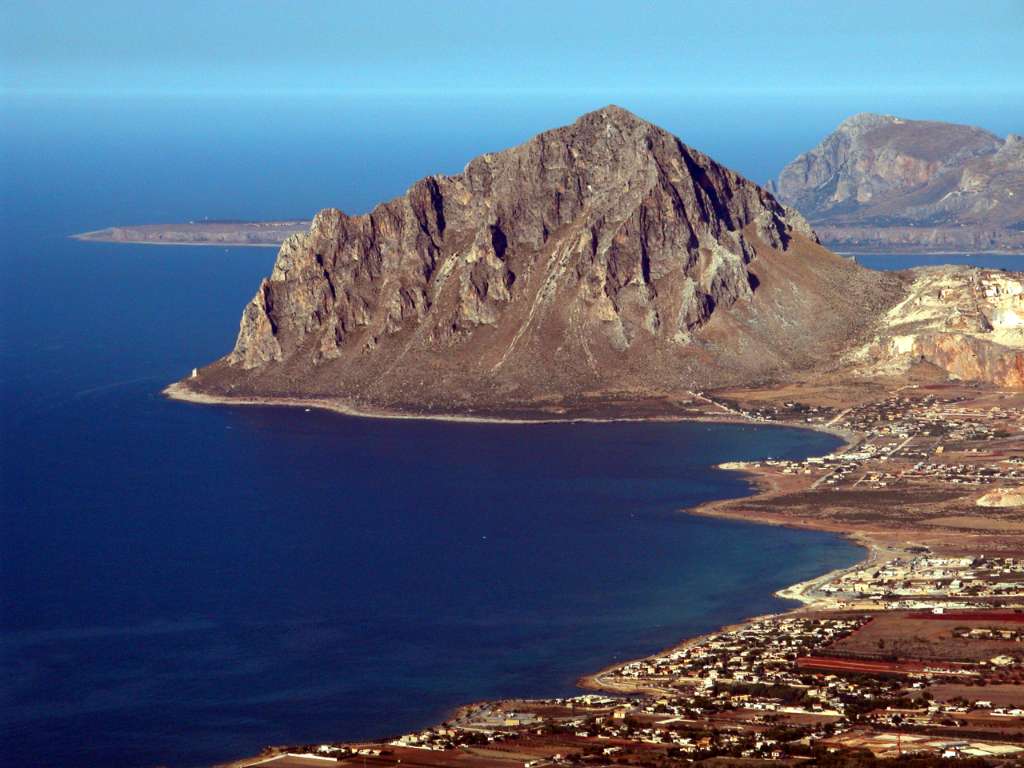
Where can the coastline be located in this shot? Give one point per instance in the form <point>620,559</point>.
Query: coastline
<point>777,493</point>
<point>801,592</point>
<point>890,252</point>
<point>179,391</point>
<point>84,237</point>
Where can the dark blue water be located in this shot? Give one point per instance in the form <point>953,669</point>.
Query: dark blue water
<point>1014,263</point>
<point>183,584</point>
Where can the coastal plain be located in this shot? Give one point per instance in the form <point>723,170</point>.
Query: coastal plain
<point>916,650</point>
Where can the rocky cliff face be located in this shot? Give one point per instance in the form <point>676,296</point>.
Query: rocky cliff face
<point>966,322</point>
<point>602,259</point>
<point>881,181</point>
<point>610,204</point>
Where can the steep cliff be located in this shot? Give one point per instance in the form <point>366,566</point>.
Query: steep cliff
<point>602,259</point>
<point>964,321</point>
<point>880,181</point>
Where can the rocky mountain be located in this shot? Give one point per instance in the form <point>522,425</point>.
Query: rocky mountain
<point>601,261</point>
<point>882,182</point>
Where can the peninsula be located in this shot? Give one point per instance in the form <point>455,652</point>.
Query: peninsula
<point>268,234</point>
<point>884,184</point>
<point>606,270</point>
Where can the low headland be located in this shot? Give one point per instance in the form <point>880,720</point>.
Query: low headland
<point>262,234</point>
<point>271,233</point>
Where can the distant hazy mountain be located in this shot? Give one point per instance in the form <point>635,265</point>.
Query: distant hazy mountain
<point>881,182</point>
<point>605,259</point>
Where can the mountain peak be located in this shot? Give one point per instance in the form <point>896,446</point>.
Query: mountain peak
<point>601,256</point>
<point>610,125</point>
<point>612,113</point>
<point>866,120</point>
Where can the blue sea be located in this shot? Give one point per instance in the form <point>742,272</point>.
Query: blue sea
<point>182,584</point>
<point>1012,262</point>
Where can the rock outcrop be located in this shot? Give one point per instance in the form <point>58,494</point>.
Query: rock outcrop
<point>881,182</point>
<point>605,259</point>
<point>1002,497</point>
<point>966,322</point>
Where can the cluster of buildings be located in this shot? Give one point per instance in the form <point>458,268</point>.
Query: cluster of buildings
<point>928,415</point>
<point>928,581</point>
<point>964,473</point>
<point>740,692</point>
<point>746,692</point>
<point>735,666</point>
<point>905,439</point>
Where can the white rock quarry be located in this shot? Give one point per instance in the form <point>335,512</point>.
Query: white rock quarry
<point>966,321</point>
<point>1003,497</point>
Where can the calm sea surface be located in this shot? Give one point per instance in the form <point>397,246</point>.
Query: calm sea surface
<point>904,261</point>
<point>183,584</point>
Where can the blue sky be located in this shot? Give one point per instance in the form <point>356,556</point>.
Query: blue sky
<point>602,47</point>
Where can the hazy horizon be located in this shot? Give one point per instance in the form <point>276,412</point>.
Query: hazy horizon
<point>751,85</point>
<point>463,47</point>
<point>351,138</point>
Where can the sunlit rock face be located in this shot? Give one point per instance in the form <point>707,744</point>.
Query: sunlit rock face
<point>885,182</point>
<point>967,322</point>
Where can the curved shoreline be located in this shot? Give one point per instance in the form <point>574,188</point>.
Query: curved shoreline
<point>800,592</point>
<point>179,391</point>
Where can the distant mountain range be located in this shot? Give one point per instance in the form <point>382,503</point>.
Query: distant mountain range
<point>881,183</point>
<point>604,259</point>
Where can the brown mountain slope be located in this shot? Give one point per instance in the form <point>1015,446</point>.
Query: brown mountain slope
<point>605,258</point>
<point>881,182</point>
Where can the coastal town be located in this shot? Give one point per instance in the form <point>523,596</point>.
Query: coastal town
<point>915,653</point>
